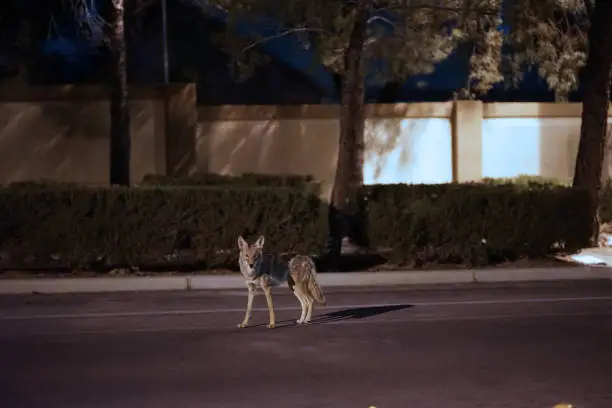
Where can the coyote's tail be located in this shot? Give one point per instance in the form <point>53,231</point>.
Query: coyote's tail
<point>304,271</point>
<point>315,289</point>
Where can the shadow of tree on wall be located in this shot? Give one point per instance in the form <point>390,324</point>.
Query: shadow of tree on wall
<point>308,145</point>
<point>284,145</point>
<point>87,119</point>
<point>62,140</point>
<point>74,119</point>
<point>386,136</point>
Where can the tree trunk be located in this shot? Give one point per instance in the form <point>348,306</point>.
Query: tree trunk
<point>589,160</point>
<point>120,140</point>
<point>349,171</point>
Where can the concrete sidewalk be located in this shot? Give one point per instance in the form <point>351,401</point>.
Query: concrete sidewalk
<point>345,279</point>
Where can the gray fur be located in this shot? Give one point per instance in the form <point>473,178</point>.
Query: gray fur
<point>272,266</point>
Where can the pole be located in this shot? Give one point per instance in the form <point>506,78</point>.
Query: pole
<point>120,140</point>
<point>165,40</point>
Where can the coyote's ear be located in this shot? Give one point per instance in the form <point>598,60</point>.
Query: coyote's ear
<point>260,242</point>
<point>242,244</point>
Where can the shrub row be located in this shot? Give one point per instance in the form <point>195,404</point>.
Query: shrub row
<point>301,182</point>
<point>605,196</point>
<point>132,226</point>
<point>605,203</point>
<point>471,224</point>
<point>474,224</point>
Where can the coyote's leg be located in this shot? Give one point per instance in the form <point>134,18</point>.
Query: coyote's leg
<point>268,294</point>
<point>297,291</point>
<point>247,314</point>
<point>309,303</point>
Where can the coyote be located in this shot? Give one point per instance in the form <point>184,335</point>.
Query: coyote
<point>267,271</point>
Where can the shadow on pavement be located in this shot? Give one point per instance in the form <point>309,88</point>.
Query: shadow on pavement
<point>346,314</point>
<point>358,313</point>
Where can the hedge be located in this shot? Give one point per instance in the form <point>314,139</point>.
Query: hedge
<point>528,181</point>
<point>470,224</point>
<point>474,224</point>
<point>306,183</point>
<point>132,226</point>
<point>605,203</point>
<point>605,195</point>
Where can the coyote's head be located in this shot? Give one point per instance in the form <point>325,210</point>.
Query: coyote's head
<point>249,254</point>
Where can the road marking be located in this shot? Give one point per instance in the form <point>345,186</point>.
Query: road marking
<point>229,328</point>
<point>293,308</point>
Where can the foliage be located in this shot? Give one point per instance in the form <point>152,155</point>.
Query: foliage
<point>409,37</point>
<point>485,60</point>
<point>475,224</point>
<point>605,194</point>
<point>470,224</point>
<point>134,226</point>
<point>551,34</point>
<point>244,180</point>
<point>605,202</point>
<point>403,38</point>
<point>528,181</point>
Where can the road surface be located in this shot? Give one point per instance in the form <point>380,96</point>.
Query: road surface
<point>519,346</point>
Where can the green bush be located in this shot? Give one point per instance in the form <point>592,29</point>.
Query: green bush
<point>306,183</point>
<point>605,202</point>
<point>527,181</point>
<point>474,224</point>
<point>128,226</point>
<point>470,223</point>
<point>605,196</point>
<point>43,183</point>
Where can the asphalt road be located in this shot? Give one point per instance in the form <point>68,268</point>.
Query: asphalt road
<point>519,346</point>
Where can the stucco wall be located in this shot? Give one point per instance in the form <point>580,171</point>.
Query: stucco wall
<point>70,141</point>
<point>533,138</point>
<point>62,133</point>
<point>409,143</point>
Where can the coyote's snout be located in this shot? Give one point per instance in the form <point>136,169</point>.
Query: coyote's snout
<point>267,271</point>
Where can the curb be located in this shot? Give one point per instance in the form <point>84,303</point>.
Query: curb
<point>353,279</point>
<point>542,274</point>
<point>83,285</point>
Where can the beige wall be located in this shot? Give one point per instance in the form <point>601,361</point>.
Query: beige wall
<point>404,142</point>
<point>70,141</point>
<point>533,138</point>
<point>280,145</point>
<point>62,133</point>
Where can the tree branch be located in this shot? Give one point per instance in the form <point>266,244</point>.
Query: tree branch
<point>85,19</point>
<point>381,18</point>
<point>281,34</point>
<point>478,10</point>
